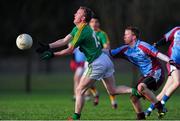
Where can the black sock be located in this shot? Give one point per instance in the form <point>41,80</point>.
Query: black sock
<point>159,106</point>
<point>140,116</point>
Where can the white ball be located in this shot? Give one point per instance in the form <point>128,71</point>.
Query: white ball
<point>24,41</point>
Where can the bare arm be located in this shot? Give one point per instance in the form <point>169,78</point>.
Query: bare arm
<point>61,42</point>
<point>163,57</point>
<point>66,51</point>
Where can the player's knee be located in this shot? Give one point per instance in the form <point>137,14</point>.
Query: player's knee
<point>79,90</point>
<point>176,83</point>
<point>112,92</point>
<point>141,88</point>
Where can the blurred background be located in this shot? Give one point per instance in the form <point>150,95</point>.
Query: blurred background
<point>34,89</point>
<point>48,21</point>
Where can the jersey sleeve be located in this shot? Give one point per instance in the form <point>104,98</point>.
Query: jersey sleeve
<point>118,52</point>
<point>77,36</point>
<point>169,36</point>
<point>148,49</point>
<point>73,32</point>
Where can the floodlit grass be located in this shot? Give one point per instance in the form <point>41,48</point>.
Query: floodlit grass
<point>51,99</point>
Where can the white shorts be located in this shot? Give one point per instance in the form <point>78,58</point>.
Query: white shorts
<point>172,68</point>
<point>100,68</point>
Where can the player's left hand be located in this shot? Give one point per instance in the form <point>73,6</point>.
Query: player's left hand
<point>42,47</point>
<point>47,55</point>
<point>171,62</point>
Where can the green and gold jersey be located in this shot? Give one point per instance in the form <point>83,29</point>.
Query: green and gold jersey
<point>85,38</point>
<point>102,37</point>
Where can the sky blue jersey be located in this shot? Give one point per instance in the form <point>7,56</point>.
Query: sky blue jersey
<point>143,55</point>
<point>173,36</point>
<point>79,56</point>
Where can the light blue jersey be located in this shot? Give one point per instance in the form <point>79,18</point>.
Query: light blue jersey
<point>143,55</point>
<point>79,56</point>
<point>174,49</point>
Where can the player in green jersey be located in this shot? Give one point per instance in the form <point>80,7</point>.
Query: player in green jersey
<point>105,44</point>
<point>100,66</point>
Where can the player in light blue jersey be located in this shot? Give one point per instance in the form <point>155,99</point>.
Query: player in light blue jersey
<point>144,56</point>
<point>173,81</point>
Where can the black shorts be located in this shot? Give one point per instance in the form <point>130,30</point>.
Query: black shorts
<point>151,82</point>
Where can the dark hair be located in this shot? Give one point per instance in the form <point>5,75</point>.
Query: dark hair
<point>95,17</point>
<point>88,13</point>
<point>135,30</point>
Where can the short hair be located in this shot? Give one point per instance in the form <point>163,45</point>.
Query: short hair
<point>135,30</point>
<point>88,13</point>
<point>95,17</point>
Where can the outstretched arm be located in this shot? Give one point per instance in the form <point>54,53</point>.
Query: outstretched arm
<point>61,42</point>
<point>163,57</point>
<point>167,59</point>
<point>66,51</point>
<point>161,42</point>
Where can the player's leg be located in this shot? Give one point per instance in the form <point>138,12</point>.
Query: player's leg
<point>95,71</point>
<point>167,84</point>
<point>93,89</point>
<point>95,94</point>
<point>175,74</point>
<point>84,84</point>
<point>112,98</point>
<point>77,76</point>
<point>172,87</point>
<point>160,95</point>
<point>144,88</point>
<point>113,89</point>
<point>135,100</point>
<point>176,82</point>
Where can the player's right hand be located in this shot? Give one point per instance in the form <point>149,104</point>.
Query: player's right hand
<point>42,47</point>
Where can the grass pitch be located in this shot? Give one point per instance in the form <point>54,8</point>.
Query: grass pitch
<point>51,99</point>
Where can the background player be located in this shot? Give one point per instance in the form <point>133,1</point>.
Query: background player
<point>144,57</point>
<point>105,44</point>
<point>173,81</point>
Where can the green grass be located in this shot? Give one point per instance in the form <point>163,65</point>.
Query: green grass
<point>51,99</point>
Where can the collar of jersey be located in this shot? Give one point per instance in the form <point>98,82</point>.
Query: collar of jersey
<point>81,25</point>
<point>136,44</point>
<point>98,30</point>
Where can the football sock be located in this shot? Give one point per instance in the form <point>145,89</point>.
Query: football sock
<point>94,91</point>
<point>151,108</point>
<point>112,98</point>
<point>159,106</point>
<point>135,93</point>
<point>164,99</point>
<point>140,116</point>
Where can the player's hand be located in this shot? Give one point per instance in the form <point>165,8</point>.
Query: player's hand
<point>171,62</point>
<point>42,47</point>
<point>46,55</point>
